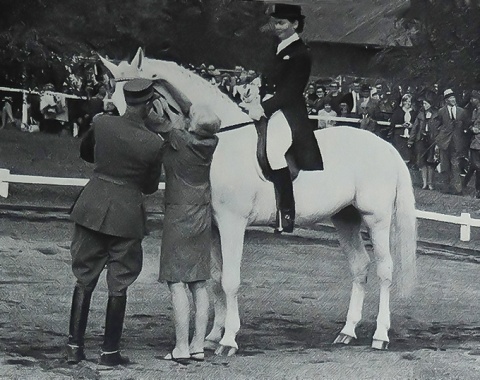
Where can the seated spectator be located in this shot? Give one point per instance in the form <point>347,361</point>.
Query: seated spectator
<point>7,112</point>
<point>327,111</point>
<point>54,110</point>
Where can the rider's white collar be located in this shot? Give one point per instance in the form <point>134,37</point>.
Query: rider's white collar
<point>284,43</point>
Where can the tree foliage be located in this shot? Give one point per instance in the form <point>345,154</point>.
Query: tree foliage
<point>446,44</point>
<point>38,37</point>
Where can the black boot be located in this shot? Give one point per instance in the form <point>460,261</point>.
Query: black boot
<point>113,332</point>
<point>78,323</point>
<point>285,201</point>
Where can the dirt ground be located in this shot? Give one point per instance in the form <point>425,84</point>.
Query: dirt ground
<point>293,301</point>
<point>293,298</point>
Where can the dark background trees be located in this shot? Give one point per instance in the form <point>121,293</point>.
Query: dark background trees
<point>38,38</point>
<point>446,44</point>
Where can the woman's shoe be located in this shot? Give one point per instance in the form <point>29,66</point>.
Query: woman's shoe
<point>430,187</point>
<point>198,356</point>
<point>184,360</point>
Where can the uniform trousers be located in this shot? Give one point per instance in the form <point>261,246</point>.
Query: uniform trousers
<point>92,250</point>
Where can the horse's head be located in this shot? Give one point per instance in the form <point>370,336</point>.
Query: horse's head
<point>195,88</point>
<point>123,72</point>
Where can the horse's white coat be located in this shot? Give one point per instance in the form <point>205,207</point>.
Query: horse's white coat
<point>361,170</point>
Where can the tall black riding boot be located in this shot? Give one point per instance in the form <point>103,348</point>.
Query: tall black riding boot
<point>78,323</point>
<point>285,200</point>
<point>113,332</point>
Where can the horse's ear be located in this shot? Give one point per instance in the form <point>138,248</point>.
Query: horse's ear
<point>113,68</point>
<point>137,61</point>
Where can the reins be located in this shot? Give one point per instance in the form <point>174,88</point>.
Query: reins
<point>235,126</point>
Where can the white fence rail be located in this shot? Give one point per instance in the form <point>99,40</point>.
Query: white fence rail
<point>465,221</point>
<point>344,119</point>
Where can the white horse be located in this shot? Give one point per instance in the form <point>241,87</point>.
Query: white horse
<point>364,180</point>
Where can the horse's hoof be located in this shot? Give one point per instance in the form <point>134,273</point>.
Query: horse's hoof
<point>343,339</point>
<point>379,344</point>
<point>225,351</point>
<point>210,345</point>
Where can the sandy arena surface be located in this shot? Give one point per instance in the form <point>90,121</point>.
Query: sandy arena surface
<point>293,300</point>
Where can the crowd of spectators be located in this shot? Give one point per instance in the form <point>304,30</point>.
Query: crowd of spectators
<point>408,117</point>
<point>431,128</point>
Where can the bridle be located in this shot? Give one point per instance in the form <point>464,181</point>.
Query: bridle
<point>224,129</point>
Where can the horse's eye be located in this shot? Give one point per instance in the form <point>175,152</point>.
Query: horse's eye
<point>154,75</point>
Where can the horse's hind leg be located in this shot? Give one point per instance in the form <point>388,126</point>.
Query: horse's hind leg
<point>347,223</point>
<point>219,303</point>
<point>380,235</point>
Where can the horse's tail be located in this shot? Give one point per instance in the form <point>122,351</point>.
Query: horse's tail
<point>403,234</point>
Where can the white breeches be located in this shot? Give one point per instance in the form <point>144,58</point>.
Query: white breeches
<point>279,139</point>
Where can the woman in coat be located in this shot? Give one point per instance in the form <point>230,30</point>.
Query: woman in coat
<point>401,123</point>
<point>286,112</point>
<point>422,139</point>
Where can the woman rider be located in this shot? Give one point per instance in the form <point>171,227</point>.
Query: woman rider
<point>286,111</point>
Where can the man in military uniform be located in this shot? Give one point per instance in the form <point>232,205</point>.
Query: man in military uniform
<point>110,218</point>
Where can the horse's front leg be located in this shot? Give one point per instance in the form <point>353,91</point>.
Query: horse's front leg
<point>219,304</point>
<point>232,233</point>
<point>348,223</point>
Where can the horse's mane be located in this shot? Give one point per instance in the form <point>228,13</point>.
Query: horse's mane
<point>197,89</point>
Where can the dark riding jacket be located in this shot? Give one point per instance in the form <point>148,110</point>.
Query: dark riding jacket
<point>287,78</point>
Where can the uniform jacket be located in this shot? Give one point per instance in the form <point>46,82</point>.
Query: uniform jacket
<point>288,77</point>
<point>419,128</point>
<point>127,159</point>
<point>453,131</point>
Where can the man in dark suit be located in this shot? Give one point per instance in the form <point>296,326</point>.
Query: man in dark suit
<point>286,111</point>
<point>352,99</point>
<point>110,218</point>
<point>452,140</point>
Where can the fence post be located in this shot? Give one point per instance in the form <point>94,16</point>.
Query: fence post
<point>465,221</point>
<point>4,177</point>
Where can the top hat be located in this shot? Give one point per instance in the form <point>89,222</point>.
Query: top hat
<point>287,11</point>
<point>448,92</point>
<point>138,91</point>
